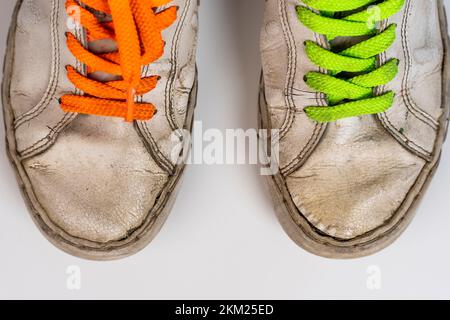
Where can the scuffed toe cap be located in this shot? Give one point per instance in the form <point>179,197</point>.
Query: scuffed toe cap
<point>355,180</point>
<point>98,183</point>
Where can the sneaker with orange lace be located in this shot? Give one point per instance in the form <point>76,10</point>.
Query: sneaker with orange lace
<point>93,93</point>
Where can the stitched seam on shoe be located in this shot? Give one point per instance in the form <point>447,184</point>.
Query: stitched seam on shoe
<point>385,119</point>
<point>291,68</point>
<point>169,91</point>
<point>37,147</point>
<point>409,102</point>
<point>286,170</point>
<point>411,145</point>
<point>155,151</point>
<point>30,151</point>
<point>415,148</point>
<point>54,72</point>
<point>312,142</point>
<point>159,157</point>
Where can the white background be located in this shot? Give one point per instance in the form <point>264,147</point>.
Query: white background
<point>222,239</point>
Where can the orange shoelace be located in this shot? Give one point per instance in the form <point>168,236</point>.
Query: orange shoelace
<point>137,31</point>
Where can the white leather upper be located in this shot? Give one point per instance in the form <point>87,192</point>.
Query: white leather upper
<point>96,178</point>
<point>350,177</point>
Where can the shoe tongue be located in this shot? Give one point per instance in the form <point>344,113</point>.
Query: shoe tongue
<point>339,44</point>
<point>100,47</point>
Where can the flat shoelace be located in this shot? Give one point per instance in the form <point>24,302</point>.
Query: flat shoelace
<point>350,96</point>
<point>137,31</point>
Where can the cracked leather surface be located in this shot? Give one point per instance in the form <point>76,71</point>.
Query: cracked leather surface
<point>349,177</point>
<point>96,178</point>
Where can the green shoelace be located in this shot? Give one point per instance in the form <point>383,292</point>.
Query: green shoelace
<point>350,96</point>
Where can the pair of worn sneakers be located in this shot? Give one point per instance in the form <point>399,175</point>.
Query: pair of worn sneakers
<point>356,89</point>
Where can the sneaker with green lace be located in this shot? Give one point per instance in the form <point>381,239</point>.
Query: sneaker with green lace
<point>357,92</point>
